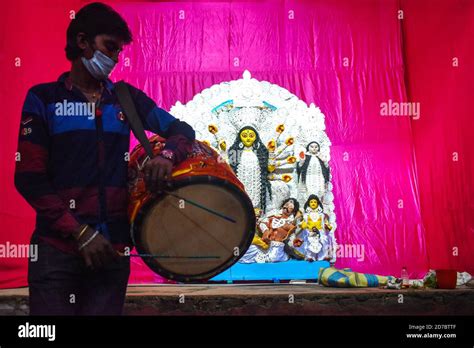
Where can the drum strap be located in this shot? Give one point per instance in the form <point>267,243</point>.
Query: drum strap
<point>128,106</point>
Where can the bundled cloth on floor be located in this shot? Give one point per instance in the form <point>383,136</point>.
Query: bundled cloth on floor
<point>333,277</point>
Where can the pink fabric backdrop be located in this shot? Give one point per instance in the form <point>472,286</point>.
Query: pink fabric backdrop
<point>174,59</point>
<point>440,71</point>
<point>390,188</point>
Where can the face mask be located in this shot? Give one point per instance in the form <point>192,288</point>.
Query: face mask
<point>100,65</point>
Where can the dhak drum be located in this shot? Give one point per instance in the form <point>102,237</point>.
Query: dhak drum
<point>200,226</point>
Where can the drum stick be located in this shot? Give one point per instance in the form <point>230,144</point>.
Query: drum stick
<point>201,207</point>
<point>169,256</point>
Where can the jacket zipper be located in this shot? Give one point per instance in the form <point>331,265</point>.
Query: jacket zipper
<point>100,166</point>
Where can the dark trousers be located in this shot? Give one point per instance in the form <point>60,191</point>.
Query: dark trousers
<point>61,284</point>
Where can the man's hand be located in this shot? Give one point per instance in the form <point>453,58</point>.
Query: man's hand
<point>99,252</point>
<point>157,173</point>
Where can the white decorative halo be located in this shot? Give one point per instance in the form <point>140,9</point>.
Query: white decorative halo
<point>232,105</point>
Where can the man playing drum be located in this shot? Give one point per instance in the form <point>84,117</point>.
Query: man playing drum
<point>72,169</point>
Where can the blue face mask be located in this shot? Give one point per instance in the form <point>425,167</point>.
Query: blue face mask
<point>100,65</point>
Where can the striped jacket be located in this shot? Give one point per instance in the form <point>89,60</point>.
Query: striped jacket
<point>71,164</point>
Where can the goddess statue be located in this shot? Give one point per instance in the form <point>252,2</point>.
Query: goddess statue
<point>248,157</point>
<point>313,173</point>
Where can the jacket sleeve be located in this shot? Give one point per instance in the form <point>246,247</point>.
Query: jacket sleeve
<point>31,175</point>
<point>178,134</point>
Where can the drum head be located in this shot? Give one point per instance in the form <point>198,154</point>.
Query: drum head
<point>202,227</point>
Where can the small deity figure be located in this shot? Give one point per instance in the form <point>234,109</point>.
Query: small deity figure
<point>311,239</point>
<point>257,243</point>
<point>314,240</point>
<point>276,228</point>
<point>328,242</point>
<point>313,174</point>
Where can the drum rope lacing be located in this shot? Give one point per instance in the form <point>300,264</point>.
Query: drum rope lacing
<point>201,206</point>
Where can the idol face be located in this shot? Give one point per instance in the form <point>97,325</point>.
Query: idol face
<point>313,148</point>
<point>248,137</point>
<point>313,204</point>
<point>289,208</point>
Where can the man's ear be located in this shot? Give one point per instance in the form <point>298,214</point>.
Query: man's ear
<point>81,41</point>
<point>84,45</point>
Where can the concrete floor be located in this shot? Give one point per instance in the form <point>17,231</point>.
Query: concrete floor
<point>275,299</point>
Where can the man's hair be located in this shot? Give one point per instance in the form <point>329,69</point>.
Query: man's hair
<point>92,20</point>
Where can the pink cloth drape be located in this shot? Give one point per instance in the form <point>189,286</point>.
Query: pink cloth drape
<point>440,73</point>
<point>398,194</point>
